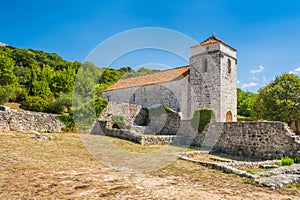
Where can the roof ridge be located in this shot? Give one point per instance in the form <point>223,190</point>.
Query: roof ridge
<point>155,72</point>
<point>151,78</point>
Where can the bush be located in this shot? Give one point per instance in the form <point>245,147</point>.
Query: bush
<point>297,160</point>
<point>35,103</point>
<point>100,105</point>
<point>21,94</point>
<point>119,121</point>
<point>68,121</point>
<point>201,118</point>
<point>160,110</point>
<point>286,161</point>
<point>62,104</point>
<point>6,93</point>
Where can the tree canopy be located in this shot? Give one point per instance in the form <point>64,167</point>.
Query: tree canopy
<point>279,100</point>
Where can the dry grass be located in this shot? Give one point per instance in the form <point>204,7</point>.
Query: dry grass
<point>64,169</point>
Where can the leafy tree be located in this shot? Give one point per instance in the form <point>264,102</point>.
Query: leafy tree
<point>6,93</point>
<point>245,101</point>
<point>108,77</point>
<point>280,100</point>
<point>23,57</point>
<point>62,104</point>
<point>7,76</point>
<point>41,89</point>
<point>36,103</point>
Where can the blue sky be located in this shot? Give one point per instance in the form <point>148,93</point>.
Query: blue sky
<point>265,33</point>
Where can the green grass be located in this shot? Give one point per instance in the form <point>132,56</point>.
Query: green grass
<point>287,161</point>
<point>254,171</point>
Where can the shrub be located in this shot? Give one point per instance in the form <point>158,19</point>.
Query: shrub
<point>6,93</point>
<point>201,118</point>
<point>36,103</point>
<point>297,160</point>
<point>68,121</point>
<point>286,161</point>
<point>100,105</point>
<point>160,110</point>
<point>21,94</point>
<point>62,104</point>
<point>119,121</point>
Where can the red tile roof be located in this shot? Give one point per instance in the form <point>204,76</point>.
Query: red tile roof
<point>213,39</point>
<point>150,79</point>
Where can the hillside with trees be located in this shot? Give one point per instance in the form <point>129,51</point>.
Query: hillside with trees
<point>44,82</point>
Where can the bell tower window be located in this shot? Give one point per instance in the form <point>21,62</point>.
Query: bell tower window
<point>229,66</point>
<point>204,62</point>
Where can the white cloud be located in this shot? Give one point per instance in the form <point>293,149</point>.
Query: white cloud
<point>260,69</point>
<point>238,81</point>
<point>255,78</point>
<point>264,79</point>
<point>296,71</point>
<point>250,84</point>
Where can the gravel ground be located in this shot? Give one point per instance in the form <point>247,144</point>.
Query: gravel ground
<point>62,168</point>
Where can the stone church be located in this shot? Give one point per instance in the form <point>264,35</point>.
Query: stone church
<point>209,81</point>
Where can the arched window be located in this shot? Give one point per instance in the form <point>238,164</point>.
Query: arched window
<point>229,66</point>
<point>204,62</point>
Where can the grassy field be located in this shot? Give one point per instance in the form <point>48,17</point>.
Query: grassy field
<point>64,169</point>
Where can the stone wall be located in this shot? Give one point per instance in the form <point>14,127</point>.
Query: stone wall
<point>172,94</point>
<point>263,140</point>
<point>132,113</point>
<point>165,124</point>
<point>100,128</point>
<point>15,120</point>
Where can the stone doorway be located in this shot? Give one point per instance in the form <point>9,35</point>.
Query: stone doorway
<point>229,116</point>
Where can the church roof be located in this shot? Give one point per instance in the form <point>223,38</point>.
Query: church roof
<point>213,39</point>
<point>150,79</point>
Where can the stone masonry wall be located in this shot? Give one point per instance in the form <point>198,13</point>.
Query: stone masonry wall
<point>172,94</point>
<point>263,140</point>
<point>15,120</point>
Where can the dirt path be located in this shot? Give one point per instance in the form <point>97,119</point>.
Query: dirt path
<point>63,169</point>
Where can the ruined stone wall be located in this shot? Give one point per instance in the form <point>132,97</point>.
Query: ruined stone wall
<point>15,120</point>
<point>265,140</point>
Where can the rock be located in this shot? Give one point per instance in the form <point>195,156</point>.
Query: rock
<point>35,132</point>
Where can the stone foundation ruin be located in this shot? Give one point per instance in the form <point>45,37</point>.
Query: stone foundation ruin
<point>262,140</point>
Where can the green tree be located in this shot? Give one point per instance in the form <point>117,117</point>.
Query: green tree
<point>7,76</point>
<point>245,101</point>
<point>6,93</point>
<point>280,100</point>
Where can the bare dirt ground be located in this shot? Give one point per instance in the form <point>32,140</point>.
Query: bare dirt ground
<point>63,169</point>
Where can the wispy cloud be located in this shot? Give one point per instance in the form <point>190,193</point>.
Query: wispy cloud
<point>247,85</point>
<point>255,78</point>
<point>255,71</point>
<point>296,71</point>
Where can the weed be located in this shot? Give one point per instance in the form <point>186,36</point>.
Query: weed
<point>287,161</point>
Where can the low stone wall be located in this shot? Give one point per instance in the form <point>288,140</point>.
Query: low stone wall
<point>130,134</point>
<point>15,120</point>
<point>262,140</point>
<point>132,113</point>
<point>165,124</point>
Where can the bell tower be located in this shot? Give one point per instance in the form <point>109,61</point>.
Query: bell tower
<point>213,78</point>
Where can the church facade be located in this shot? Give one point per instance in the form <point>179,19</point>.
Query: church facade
<point>209,81</point>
